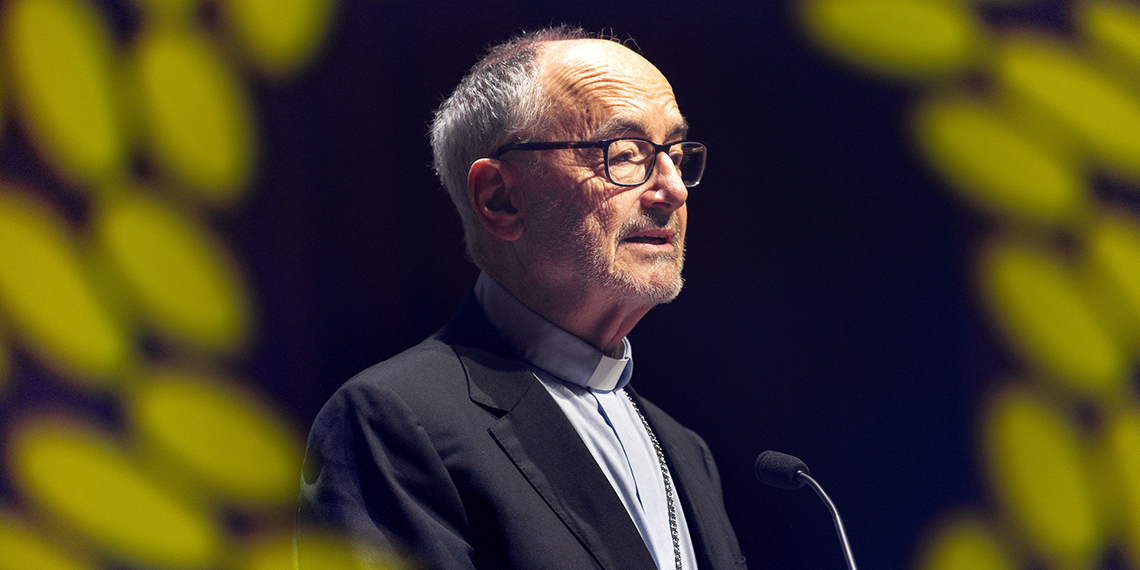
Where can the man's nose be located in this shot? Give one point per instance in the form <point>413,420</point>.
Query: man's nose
<point>665,190</point>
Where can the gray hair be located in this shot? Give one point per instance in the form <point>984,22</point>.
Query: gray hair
<point>498,102</point>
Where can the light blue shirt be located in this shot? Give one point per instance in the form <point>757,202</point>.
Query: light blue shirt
<point>589,387</point>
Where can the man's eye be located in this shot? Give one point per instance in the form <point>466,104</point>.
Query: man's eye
<point>622,157</point>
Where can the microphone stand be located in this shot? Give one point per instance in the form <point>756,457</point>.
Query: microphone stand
<point>847,555</point>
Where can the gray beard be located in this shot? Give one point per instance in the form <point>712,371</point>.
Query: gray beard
<point>582,262</point>
<point>590,267</point>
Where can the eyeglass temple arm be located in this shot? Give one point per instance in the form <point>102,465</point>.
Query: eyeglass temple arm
<point>548,145</point>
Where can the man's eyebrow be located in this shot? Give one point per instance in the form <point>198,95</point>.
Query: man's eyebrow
<point>620,127</point>
<point>617,127</point>
<point>678,132</point>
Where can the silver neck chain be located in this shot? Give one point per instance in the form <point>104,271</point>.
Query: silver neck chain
<point>668,483</point>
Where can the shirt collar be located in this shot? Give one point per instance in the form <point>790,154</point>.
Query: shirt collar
<point>545,345</point>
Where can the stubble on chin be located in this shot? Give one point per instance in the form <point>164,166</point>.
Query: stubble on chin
<point>577,254</point>
<point>655,278</point>
<point>652,280</point>
<point>662,285</point>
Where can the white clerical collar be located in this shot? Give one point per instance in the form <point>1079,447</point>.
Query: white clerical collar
<point>545,345</point>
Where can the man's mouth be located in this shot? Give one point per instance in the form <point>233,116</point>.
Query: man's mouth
<point>647,239</point>
<point>651,237</point>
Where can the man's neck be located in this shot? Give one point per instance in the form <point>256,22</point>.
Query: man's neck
<point>589,315</point>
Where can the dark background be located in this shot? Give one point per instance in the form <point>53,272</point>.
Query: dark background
<point>828,310</point>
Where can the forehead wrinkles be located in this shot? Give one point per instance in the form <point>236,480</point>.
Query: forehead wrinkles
<point>586,88</point>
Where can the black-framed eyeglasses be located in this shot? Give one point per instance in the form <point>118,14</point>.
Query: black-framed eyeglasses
<point>629,161</point>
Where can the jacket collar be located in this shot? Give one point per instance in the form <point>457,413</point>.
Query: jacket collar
<point>542,443</point>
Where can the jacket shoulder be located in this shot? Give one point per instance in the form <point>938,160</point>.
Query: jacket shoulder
<point>426,365</point>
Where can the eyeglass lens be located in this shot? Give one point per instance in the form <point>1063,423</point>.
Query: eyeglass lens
<point>630,161</point>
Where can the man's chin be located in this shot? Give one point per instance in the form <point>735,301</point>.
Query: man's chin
<point>655,289</point>
<point>666,295</point>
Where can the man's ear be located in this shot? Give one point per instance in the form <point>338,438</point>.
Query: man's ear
<point>496,199</point>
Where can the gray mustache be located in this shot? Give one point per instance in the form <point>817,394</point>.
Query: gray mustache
<point>651,221</point>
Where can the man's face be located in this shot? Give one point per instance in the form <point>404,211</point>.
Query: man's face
<point>626,243</point>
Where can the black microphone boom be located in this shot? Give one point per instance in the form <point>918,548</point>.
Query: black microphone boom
<point>787,472</point>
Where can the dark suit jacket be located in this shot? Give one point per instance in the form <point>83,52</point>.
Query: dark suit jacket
<point>453,452</point>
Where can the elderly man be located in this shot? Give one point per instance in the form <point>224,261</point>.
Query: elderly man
<point>510,438</point>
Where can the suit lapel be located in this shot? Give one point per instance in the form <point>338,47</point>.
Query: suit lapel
<point>547,450</point>
<point>698,487</point>
<point>544,446</point>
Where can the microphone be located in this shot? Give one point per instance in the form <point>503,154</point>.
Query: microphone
<point>787,472</point>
